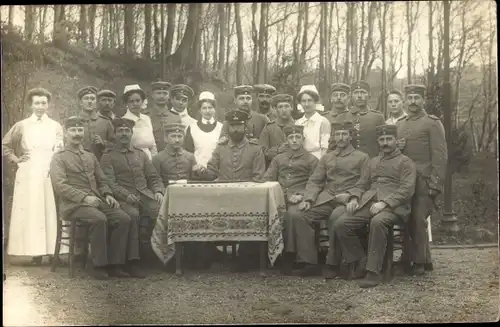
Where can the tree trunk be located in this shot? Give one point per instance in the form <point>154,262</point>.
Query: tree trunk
<point>255,40</point>
<point>146,50</point>
<point>163,52</point>
<point>347,37</point>
<point>91,23</point>
<point>369,41</point>
<point>360,62</point>
<point>306,31</point>
<point>216,39</point>
<point>11,16</point>
<point>82,24</point>
<point>230,29</point>
<point>29,22</point>
<point>322,32</point>
<point>156,34</point>
<point>43,21</point>
<point>262,35</point>
<point>111,26</point>
<point>221,10</point>
<point>169,37</point>
<point>180,25</point>
<point>128,42</point>
<point>239,34</point>
<point>118,28</point>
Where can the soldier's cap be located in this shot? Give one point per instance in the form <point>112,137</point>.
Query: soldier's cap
<point>341,87</point>
<point>106,93</point>
<point>86,90</point>
<point>281,98</point>
<point>415,89</point>
<point>123,122</point>
<point>293,129</point>
<point>264,88</point>
<point>242,89</point>
<point>343,126</point>
<point>38,91</point>
<point>174,128</point>
<point>73,121</point>
<point>160,85</point>
<point>309,89</point>
<point>133,88</point>
<point>236,117</point>
<point>360,85</point>
<point>205,95</point>
<point>387,130</point>
<point>181,89</point>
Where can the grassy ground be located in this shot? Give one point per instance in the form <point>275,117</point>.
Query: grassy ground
<point>463,288</point>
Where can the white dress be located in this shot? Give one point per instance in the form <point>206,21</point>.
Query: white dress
<point>204,142</point>
<point>142,137</point>
<point>33,223</point>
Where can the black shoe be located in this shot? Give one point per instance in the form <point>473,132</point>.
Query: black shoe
<point>134,271</point>
<point>99,273</point>
<point>371,280</point>
<point>418,269</point>
<point>330,272</point>
<point>117,271</point>
<point>308,270</point>
<point>428,266</point>
<point>357,270</point>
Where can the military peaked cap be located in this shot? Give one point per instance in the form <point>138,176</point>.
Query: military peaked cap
<point>242,89</point>
<point>343,126</point>
<point>237,117</point>
<point>106,93</point>
<point>415,89</point>
<point>160,85</point>
<point>293,129</point>
<point>181,89</point>
<point>86,90</point>
<point>174,128</point>
<point>341,87</point>
<point>387,130</point>
<point>123,122</point>
<point>264,88</point>
<point>73,121</point>
<point>360,85</point>
<point>281,98</point>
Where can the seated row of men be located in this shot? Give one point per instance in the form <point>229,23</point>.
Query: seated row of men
<point>345,185</point>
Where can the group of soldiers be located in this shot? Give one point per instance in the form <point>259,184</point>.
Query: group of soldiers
<point>346,166</point>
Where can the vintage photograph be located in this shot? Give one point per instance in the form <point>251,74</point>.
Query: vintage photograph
<point>250,163</point>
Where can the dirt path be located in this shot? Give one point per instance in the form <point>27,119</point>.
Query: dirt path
<point>463,288</point>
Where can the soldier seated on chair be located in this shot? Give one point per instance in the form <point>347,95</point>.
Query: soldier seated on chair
<point>325,195</point>
<point>84,194</point>
<point>381,198</point>
<point>292,169</point>
<point>133,178</point>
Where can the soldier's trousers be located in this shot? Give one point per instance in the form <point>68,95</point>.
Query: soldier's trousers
<point>421,208</point>
<point>347,226</point>
<point>334,256</point>
<point>147,208</point>
<point>123,244</point>
<point>299,229</point>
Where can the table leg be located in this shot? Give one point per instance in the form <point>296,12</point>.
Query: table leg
<point>178,258</point>
<point>263,259</point>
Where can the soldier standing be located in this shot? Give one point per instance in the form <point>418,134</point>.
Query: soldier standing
<point>273,136</point>
<point>422,139</point>
<point>395,104</point>
<point>264,94</point>
<point>180,95</point>
<point>339,99</point>
<point>365,120</point>
<point>255,122</point>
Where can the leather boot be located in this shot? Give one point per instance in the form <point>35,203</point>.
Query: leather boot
<point>371,280</point>
<point>330,272</point>
<point>117,271</point>
<point>418,269</point>
<point>308,270</point>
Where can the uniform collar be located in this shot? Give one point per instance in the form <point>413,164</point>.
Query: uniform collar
<point>171,151</point>
<point>183,113</point>
<point>282,123</point>
<point>121,149</point>
<point>402,116</point>
<point>296,154</point>
<point>34,118</point>
<point>75,151</point>
<point>355,111</point>
<point>110,117</point>
<point>344,152</point>
<point>391,155</point>
<point>418,115</point>
<point>93,116</point>
<point>239,145</point>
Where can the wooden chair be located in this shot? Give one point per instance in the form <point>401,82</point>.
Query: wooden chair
<point>70,241</point>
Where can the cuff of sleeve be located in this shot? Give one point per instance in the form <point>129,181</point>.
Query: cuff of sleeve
<point>391,203</point>
<point>81,196</point>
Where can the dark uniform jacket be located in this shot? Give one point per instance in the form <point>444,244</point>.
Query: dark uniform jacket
<point>271,114</point>
<point>426,146</point>
<point>292,170</point>
<point>388,178</point>
<point>337,172</point>
<point>97,125</point>
<point>255,125</point>
<point>237,162</point>
<point>158,120</point>
<point>76,174</point>
<point>365,136</point>
<point>333,115</point>
<point>271,138</point>
<point>174,165</point>
<point>129,171</point>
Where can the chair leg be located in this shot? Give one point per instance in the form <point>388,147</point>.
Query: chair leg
<point>233,250</point>
<point>55,258</point>
<point>389,256</point>
<point>85,248</point>
<point>71,255</point>
<point>224,250</point>
<point>178,258</point>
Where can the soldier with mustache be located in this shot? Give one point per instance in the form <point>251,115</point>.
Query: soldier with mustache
<point>264,94</point>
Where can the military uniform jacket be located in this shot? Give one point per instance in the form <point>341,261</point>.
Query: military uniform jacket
<point>271,138</point>
<point>426,146</point>
<point>255,125</point>
<point>337,172</point>
<point>365,135</point>
<point>272,115</point>
<point>237,162</point>
<point>97,125</point>
<point>129,171</point>
<point>292,170</point>
<point>388,178</point>
<point>158,119</point>
<point>174,165</point>
<point>334,116</point>
<point>76,174</point>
